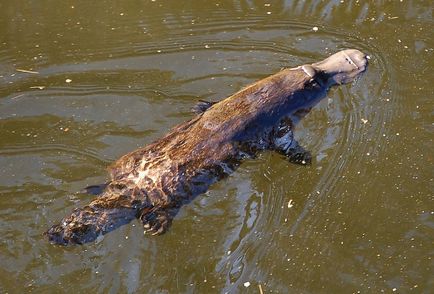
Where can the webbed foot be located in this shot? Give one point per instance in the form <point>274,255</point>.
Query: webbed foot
<point>300,156</point>
<point>156,222</point>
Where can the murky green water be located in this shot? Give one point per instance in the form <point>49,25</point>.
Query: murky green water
<point>110,77</point>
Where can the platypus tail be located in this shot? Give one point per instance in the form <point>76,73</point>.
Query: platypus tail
<point>88,223</point>
<point>113,208</point>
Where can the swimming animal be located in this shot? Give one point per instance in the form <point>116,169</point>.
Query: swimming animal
<point>153,182</point>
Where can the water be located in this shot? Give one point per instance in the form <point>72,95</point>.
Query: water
<point>110,77</point>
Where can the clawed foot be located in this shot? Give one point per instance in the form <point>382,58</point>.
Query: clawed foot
<point>302,158</point>
<point>156,222</point>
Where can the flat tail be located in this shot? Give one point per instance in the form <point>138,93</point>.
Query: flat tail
<point>86,224</point>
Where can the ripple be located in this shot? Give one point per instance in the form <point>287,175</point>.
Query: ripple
<point>342,141</point>
<point>17,150</point>
<point>168,69</point>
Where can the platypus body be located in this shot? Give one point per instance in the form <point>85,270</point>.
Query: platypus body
<point>153,182</point>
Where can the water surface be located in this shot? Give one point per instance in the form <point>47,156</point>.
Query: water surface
<point>82,83</point>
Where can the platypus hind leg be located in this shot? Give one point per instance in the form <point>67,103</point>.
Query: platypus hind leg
<point>156,221</point>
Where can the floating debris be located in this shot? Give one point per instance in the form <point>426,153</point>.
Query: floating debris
<point>68,80</point>
<point>290,203</point>
<point>26,71</point>
<point>364,121</point>
<point>315,29</point>
<point>38,87</point>
<point>246,284</point>
<point>18,96</point>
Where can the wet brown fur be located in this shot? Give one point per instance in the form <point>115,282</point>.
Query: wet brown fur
<point>207,140</point>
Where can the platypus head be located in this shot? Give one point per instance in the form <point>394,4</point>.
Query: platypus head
<point>340,68</point>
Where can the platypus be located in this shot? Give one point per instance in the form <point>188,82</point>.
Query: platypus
<point>153,182</point>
